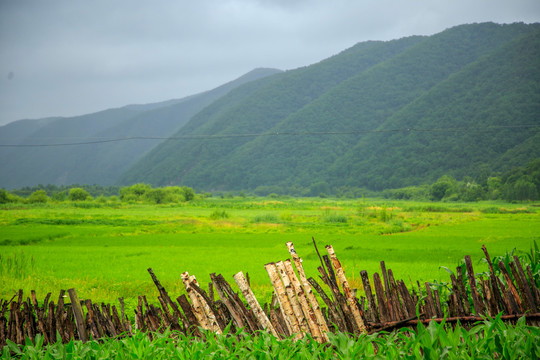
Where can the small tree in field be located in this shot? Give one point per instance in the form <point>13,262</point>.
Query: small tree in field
<point>135,192</point>
<point>7,197</point>
<point>443,187</point>
<point>78,194</point>
<point>4,197</point>
<point>189,193</point>
<point>38,196</point>
<point>156,196</point>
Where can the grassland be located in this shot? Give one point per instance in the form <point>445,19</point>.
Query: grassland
<point>104,248</point>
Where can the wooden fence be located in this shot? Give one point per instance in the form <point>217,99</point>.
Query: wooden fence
<point>295,310</point>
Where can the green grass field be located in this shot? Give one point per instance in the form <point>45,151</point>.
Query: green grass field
<point>104,249</point>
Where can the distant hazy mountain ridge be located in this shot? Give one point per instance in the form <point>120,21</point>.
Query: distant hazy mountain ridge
<point>98,163</point>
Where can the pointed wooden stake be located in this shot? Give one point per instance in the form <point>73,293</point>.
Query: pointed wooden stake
<point>351,300</point>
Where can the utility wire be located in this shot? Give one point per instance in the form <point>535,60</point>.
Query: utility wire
<point>277,133</point>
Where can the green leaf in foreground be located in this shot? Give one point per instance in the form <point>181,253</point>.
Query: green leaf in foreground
<point>491,338</point>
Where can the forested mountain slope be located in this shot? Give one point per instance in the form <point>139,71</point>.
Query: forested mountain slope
<point>99,163</point>
<point>254,108</point>
<point>343,122</point>
<point>479,105</point>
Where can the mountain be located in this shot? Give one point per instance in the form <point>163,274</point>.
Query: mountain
<point>100,163</point>
<point>378,115</point>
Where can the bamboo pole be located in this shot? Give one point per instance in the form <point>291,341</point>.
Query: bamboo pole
<point>253,303</point>
<point>301,296</point>
<point>205,301</point>
<point>281,294</point>
<point>297,310</point>
<point>309,292</point>
<point>351,300</point>
<point>198,310</point>
<point>209,313</point>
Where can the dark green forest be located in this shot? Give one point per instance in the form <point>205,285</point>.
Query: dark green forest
<point>518,184</point>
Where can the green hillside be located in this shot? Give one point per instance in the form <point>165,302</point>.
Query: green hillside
<point>99,163</point>
<point>22,166</point>
<point>458,92</point>
<point>484,99</point>
<point>254,108</point>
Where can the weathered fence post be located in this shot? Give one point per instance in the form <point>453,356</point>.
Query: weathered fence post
<point>309,292</point>
<point>351,300</point>
<point>253,303</point>
<point>78,314</point>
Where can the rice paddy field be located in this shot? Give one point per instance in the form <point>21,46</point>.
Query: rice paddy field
<point>103,249</point>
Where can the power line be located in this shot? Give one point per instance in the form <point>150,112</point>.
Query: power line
<point>269,134</point>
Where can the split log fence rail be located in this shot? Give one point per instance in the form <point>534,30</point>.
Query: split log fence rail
<point>386,304</point>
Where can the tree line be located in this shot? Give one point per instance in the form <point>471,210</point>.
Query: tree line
<point>137,193</point>
<point>517,184</point>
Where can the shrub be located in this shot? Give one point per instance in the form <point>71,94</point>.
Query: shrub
<point>189,193</point>
<point>4,196</point>
<point>38,196</point>
<point>101,199</point>
<point>334,218</point>
<point>156,196</point>
<point>285,216</point>
<point>266,218</point>
<point>134,192</point>
<point>444,187</point>
<point>7,197</point>
<point>78,194</point>
<point>169,194</point>
<point>398,225</point>
<point>408,193</point>
<point>219,214</point>
<point>472,192</point>
<point>59,196</point>
<point>384,214</point>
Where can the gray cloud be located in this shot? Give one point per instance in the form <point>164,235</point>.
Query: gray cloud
<point>66,58</point>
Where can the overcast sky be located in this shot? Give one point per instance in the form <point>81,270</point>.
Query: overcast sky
<point>69,57</point>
